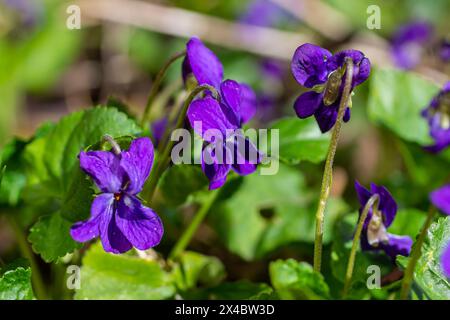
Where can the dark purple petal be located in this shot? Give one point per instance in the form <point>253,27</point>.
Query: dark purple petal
<point>347,115</point>
<point>216,167</point>
<point>203,63</point>
<point>362,193</point>
<point>139,224</point>
<point>441,199</point>
<point>137,163</point>
<point>387,204</point>
<point>113,240</point>
<point>230,92</point>
<point>246,156</point>
<point>408,43</point>
<point>398,245</point>
<point>104,168</point>
<point>309,65</point>
<point>87,230</point>
<point>307,103</point>
<point>210,114</point>
<point>248,103</point>
<point>445,261</point>
<point>361,64</point>
<point>326,117</point>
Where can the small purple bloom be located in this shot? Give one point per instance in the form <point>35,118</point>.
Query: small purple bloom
<point>438,116</point>
<point>440,198</point>
<point>445,261</point>
<point>409,42</point>
<point>237,106</point>
<point>117,215</point>
<point>315,67</point>
<point>374,234</point>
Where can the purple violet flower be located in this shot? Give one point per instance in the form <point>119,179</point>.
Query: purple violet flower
<point>440,198</point>
<point>409,42</point>
<point>316,68</point>
<point>438,116</point>
<point>237,106</point>
<point>445,261</point>
<point>374,234</point>
<point>117,215</point>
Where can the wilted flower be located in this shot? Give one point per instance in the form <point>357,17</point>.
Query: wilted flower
<point>316,68</point>
<point>438,116</point>
<point>374,234</point>
<point>117,215</point>
<point>236,107</point>
<point>409,42</point>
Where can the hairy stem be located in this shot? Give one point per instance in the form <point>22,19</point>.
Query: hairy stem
<point>157,83</point>
<point>328,170</point>
<point>24,247</point>
<point>372,202</point>
<point>186,237</point>
<point>164,159</point>
<point>415,255</point>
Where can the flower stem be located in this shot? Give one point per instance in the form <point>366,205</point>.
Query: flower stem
<point>36,278</point>
<point>164,159</point>
<point>415,255</point>
<point>328,170</point>
<point>157,84</point>
<point>186,237</point>
<point>372,202</point>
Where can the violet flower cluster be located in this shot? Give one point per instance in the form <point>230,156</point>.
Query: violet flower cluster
<point>438,116</point>
<point>236,106</point>
<point>374,234</point>
<point>117,215</point>
<point>316,68</point>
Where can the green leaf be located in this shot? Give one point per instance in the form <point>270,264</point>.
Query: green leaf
<point>301,140</point>
<point>396,99</point>
<point>266,212</point>
<point>340,251</point>
<point>16,285</point>
<point>198,269</point>
<point>50,237</point>
<point>106,276</point>
<point>13,179</point>
<point>408,222</point>
<point>54,174</point>
<point>297,280</point>
<point>428,274</point>
<point>180,181</point>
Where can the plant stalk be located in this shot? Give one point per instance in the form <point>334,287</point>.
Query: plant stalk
<point>415,255</point>
<point>328,170</point>
<point>164,159</point>
<point>36,277</point>
<point>157,83</point>
<point>186,237</point>
<point>372,202</point>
